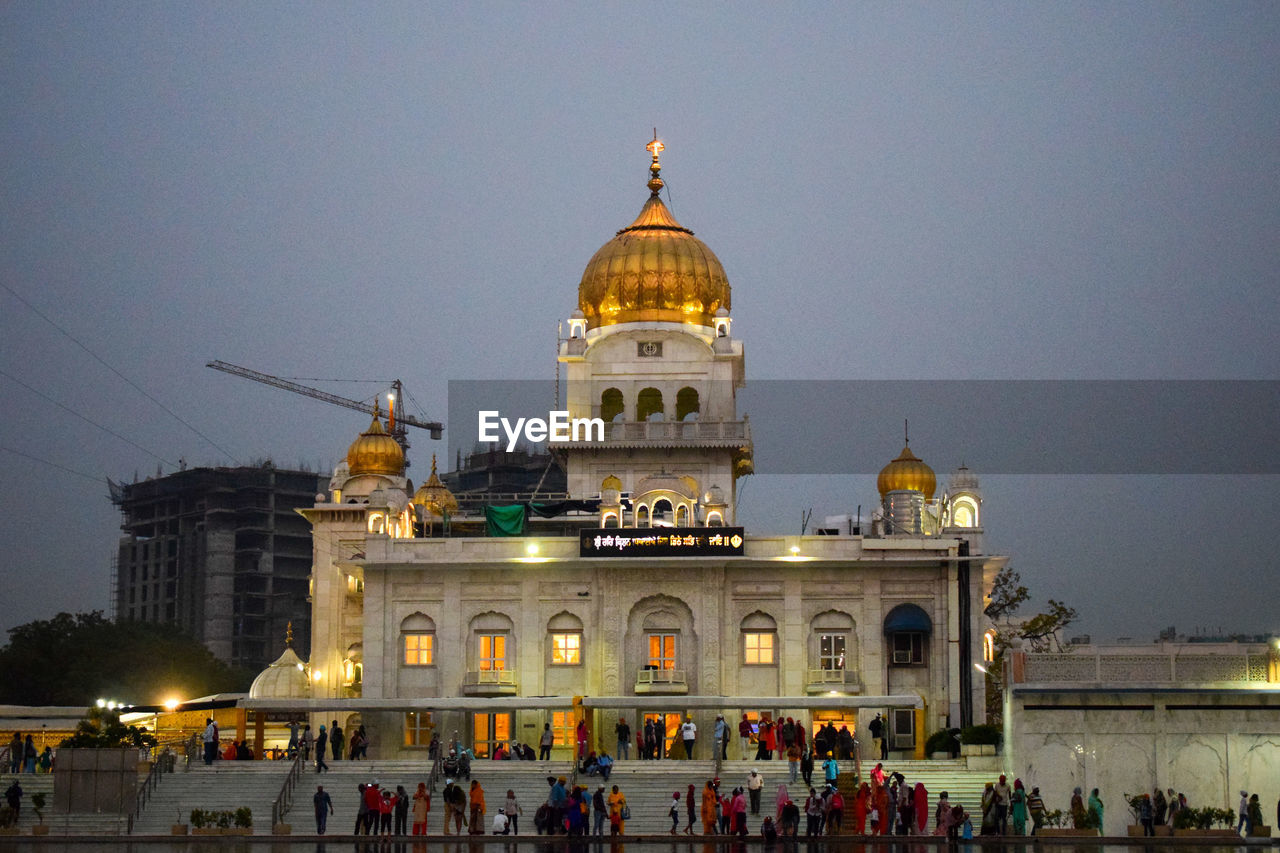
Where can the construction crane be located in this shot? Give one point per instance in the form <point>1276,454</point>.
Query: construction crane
<point>397,423</point>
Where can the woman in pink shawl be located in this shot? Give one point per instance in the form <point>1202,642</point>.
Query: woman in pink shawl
<point>782,799</point>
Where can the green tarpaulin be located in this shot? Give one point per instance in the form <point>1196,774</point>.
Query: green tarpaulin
<point>505,520</point>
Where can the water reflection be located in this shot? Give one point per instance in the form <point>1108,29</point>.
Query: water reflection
<point>535,844</point>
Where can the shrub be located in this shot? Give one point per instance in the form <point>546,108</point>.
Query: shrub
<point>1185,818</point>
<point>244,817</point>
<point>1054,818</point>
<point>197,818</point>
<point>985,733</point>
<point>37,802</point>
<point>1134,802</point>
<point>943,740</point>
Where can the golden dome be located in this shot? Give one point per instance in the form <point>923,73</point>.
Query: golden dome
<point>434,496</point>
<point>654,269</point>
<point>907,472</point>
<point>611,482</point>
<point>375,452</point>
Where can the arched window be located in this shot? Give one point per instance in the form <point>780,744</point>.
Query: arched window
<point>714,518</point>
<point>661,513</point>
<point>908,627</point>
<point>834,640</point>
<point>687,404</point>
<point>492,642</point>
<point>611,406</point>
<point>649,404</point>
<point>662,634</point>
<point>611,520</point>
<point>418,640</point>
<point>642,516</point>
<point>682,516</point>
<point>759,640</point>
<point>565,634</point>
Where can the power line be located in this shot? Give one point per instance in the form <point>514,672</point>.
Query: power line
<point>89,421</point>
<point>127,380</point>
<point>51,464</point>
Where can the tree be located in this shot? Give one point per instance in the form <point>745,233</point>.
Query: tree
<point>101,728</point>
<point>1042,631</point>
<point>74,659</point>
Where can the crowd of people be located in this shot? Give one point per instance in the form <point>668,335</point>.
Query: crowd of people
<point>22,756</point>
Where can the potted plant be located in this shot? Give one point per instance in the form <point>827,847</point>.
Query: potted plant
<point>243,819</point>
<point>941,744</point>
<point>8,821</point>
<point>178,827</point>
<point>983,739</point>
<point>201,823</point>
<point>1055,826</point>
<point>37,802</point>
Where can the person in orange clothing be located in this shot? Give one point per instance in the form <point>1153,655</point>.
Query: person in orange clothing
<point>861,803</point>
<point>477,808</point>
<point>882,806</point>
<point>617,803</point>
<point>709,808</point>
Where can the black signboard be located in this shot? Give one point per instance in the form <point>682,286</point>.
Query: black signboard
<point>662,542</point>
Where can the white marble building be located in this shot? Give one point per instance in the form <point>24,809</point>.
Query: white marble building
<point>494,636</point>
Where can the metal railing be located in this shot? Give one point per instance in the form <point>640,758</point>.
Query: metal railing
<point>163,764</point>
<point>660,676</point>
<point>490,677</point>
<point>285,801</point>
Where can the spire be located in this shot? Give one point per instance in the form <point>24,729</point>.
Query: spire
<point>906,433</point>
<point>655,148</point>
<point>288,634</point>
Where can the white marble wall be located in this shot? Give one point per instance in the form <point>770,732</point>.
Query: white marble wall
<point>1133,742</point>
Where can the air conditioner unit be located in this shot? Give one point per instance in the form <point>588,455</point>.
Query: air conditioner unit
<point>901,656</point>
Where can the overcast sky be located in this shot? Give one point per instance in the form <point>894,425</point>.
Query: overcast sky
<point>897,191</point>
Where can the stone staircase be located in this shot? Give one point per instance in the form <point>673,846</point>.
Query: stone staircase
<point>59,824</point>
<point>222,786</point>
<point>648,786</point>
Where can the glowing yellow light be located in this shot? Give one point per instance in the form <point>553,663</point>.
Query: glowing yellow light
<point>979,667</point>
<point>102,703</point>
<point>301,667</point>
<point>795,549</point>
<point>317,675</point>
<point>531,548</point>
<point>655,147</point>
<point>171,703</point>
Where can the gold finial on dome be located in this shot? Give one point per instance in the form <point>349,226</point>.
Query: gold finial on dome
<point>376,452</point>
<point>434,496</point>
<point>907,473</point>
<point>288,634</point>
<point>655,148</point>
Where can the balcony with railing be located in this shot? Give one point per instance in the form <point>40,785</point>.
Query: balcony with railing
<point>489,682</point>
<point>668,681</point>
<point>676,433</point>
<point>839,680</point>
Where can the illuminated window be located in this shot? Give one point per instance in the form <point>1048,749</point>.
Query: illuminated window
<point>418,728</point>
<point>566,649</point>
<point>493,652</point>
<point>831,651</point>
<point>989,647</point>
<point>563,727</point>
<point>662,651</point>
<point>419,649</point>
<point>759,648</point>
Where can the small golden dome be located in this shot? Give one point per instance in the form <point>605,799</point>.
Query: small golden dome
<point>907,472</point>
<point>434,496</point>
<point>611,482</point>
<point>653,270</point>
<point>375,452</point>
